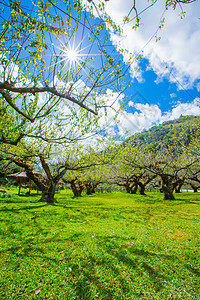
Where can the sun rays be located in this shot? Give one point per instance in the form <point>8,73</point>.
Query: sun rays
<point>72,55</point>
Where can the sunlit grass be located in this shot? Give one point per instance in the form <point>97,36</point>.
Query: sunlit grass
<point>105,246</point>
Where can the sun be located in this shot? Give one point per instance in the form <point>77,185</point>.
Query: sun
<point>72,55</point>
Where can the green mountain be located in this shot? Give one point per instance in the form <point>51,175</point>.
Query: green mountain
<point>182,130</point>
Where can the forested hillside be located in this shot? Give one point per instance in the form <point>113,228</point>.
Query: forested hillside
<point>183,130</point>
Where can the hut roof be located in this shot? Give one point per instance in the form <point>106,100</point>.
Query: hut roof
<point>18,175</point>
<point>22,174</point>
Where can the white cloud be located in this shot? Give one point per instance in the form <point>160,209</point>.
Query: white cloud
<point>184,109</point>
<point>173,95</point>
<point>130,103</point>
<point>178,48</point>
<point>198,86</point>
<point>150,115</point>
<point>146,116</point>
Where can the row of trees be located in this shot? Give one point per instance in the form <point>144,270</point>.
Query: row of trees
<point>167,169</point>
<point>135,169</point>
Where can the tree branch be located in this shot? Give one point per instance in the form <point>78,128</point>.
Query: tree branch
<point>11,142</point>
<point>8,99</point>
<point>5,87</point>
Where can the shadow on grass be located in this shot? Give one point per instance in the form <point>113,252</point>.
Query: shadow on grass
<point>193,270</point>
<point>29,195</point>
<point>23,208</point>
<point>28,248</point>
<point>188,201</point>
<point>111,270</point>
<point>136,259</point>
<point>114,261</point>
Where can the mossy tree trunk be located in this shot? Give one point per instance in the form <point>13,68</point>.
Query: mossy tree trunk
<point>167,187</point>
<point>48,194</point>
<point>48,185</point>
<point>91,187</point>
<point>77,186</point>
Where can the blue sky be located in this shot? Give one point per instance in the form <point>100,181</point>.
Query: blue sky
<point>167,82</point>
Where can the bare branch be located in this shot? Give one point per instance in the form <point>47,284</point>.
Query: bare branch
<point>34,90</point>
<point>8,98</point>
<point>11,142</point>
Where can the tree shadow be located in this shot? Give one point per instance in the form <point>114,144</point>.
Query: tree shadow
<point>193,270</point>
<point>23,208</point>
<point>29,249</point>
<point>95,270</point>
<point>139,262</point>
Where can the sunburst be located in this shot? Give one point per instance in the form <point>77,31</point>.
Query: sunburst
<point>72,55</point>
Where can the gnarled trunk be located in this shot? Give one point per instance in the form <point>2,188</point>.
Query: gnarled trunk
<point>143,184</point>
<point>142,189</point>
<point>49,194</point>
<point>168,194</point>
<point>178,183</point>
<point>131,188</point>
<point>90,187</point>
<point>76,186</point>
<point>194,187</point>
<point>167,188</point>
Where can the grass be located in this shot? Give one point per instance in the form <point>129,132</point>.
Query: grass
<point>106,246</point>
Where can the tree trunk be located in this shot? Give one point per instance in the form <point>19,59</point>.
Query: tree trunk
<point>168,194</point>
<point>77,188</point>
<point>47,186</point>
<point>167,188</point>
<point>20,185</point>
<point>89,188</point>
<point>195,188</point>
<point>142,188</point>
<point>178,188</point>
<point>49,193</point>
<point>134,188</point>
<point>178,185</point>
<point>131,189</point>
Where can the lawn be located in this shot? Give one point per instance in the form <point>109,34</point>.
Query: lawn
<point>105,246</point>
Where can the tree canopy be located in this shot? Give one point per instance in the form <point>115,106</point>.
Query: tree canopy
<point>54,69</point>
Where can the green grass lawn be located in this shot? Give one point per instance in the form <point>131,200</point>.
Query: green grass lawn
<point>105,246</point>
